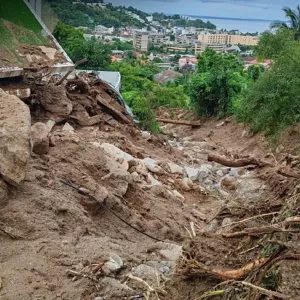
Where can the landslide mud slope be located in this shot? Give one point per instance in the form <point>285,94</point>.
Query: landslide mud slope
<point>62,243</point>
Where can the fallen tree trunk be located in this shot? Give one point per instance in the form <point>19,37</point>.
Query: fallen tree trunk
<point>243,162</point>
<point>180,122</point>
<point>236,163</point>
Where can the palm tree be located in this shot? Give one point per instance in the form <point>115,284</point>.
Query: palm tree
<point>293,22</point>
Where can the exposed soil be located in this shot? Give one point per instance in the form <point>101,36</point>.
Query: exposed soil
<point>54,229</point>
<point>22,48</point>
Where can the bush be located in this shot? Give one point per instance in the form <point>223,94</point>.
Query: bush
<point>219,79</point>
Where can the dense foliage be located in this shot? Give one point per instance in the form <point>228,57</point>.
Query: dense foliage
<point>73,42</point>
<point>218,82</point>
<point>80,14</point>
<point>144,95</point>
<point>272,102</point>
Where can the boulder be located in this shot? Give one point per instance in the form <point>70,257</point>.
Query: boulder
<point>152,181</point>
<point>116,152</point>
<point>15,126</point>
<point>114,264</point>
<point>170,252</point>
<point>192,173</point>
<point>145,272</point>
<point>40,138</point>
<point>220,173</point>
<point>50,124</point>
<point>174,168</point>
<point>178,195</point>
<point>203,172</point>
<point>151,165</point>
<point>186,184</point>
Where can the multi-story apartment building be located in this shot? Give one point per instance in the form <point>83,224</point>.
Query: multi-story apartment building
<point>143,40</point>
<point>228,39</point>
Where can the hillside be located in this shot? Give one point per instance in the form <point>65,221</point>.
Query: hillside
<point>22,38</point>
<point>80,14</point>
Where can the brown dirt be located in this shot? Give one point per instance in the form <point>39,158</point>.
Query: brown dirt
<point>62,230</point>
<point>15,54</point>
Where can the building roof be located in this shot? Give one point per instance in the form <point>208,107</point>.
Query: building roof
<point>166,76</point>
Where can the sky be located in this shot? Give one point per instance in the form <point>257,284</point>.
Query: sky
<point>247,9</point>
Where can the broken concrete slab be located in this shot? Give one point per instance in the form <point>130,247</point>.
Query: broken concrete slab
<point>15,123</point>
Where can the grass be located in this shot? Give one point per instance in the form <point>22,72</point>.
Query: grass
<point>17,12</point>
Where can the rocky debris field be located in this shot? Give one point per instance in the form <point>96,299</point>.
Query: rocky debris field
<point>93,208</point>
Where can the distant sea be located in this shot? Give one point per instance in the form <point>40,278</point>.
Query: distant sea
<point>243,25</point>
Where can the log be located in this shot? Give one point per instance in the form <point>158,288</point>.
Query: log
<point>179,122</point>
<point>236,163</point>
<point>113,112</point>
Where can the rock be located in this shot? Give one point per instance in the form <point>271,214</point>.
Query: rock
<point>151,165</point>
<point>208,182</point>
<point>145,272</point>
<point>170,251</point>
<point>145,134</point>
<point>3,193</point>
<point>229,182</point>
<point>234,172</point>
<point>203,172</point>
<point>178,195</point>
<point>220,124</point>
<point>116,152</point>
<point>135,177</point>
<point>55,101</point>
<point>199,215</point>
<point>244,133</point>
<point>220,173</point>
<point>212,226</point>
<point>113,289</point>
<point>114,264</point>
<point>250,188</point>
<point>279,149</point>
<point>186,184</point>
<point>68,127</point>
<point>192,173</point>
<point>40,138</point>
<point>50,124</point>
<point>152,181</point>
<point>98,298</point>
<point>174,168</point>
<point>52,142</point>
<point>226,222</point>
<point>15,126</point>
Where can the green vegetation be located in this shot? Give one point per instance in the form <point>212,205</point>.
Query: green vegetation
<point>144,95</point>
<point>218,82</point>
<point>72,40</point>
<point>17,12</point>
<point>81,14</point>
